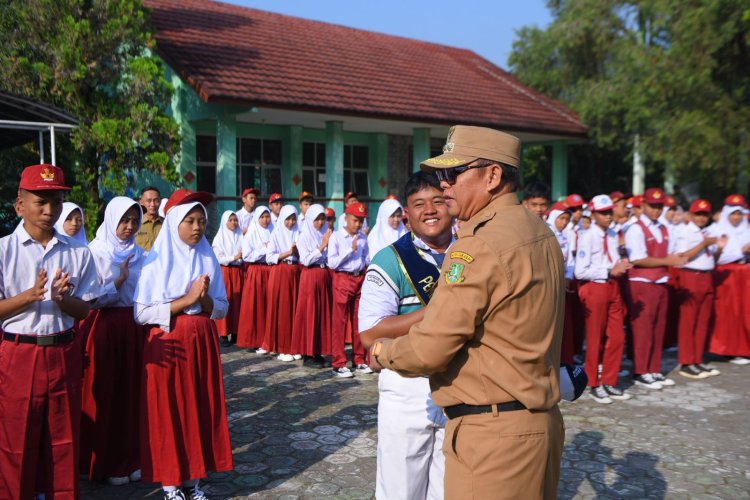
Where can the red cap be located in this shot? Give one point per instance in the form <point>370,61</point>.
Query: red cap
<point>391,197</point>
<point>330,213</point>
<point>670,202</point>
<point>574,201</point>
<point>349,195</point>
<point>357,209</point>
<point>559,205</point>
<point>732,199</point>
<point>699,206</point>
<point>274,197</point>
<point>616,196</point>
<point>182,196</point>
<point>636,200</point>
<point>45,177</point>
<point>305,194</point>
<point>248,191</point>
<point>655,196</point>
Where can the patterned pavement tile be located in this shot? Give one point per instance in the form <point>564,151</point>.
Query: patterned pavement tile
<point>299,433</point>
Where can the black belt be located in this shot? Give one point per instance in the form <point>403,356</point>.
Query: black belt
<point>288,263</point>
<point>462,409</point>
<point>40,340</point>
<point>316,266</point>
<point>257,263</point>
<point>355,274</point>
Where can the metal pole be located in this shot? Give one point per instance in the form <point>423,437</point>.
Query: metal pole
<point>41,147</point>
<point>52,144</point>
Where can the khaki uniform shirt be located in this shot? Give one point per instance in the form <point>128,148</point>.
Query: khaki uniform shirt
<point>148,232</point>
<point>493,327</point>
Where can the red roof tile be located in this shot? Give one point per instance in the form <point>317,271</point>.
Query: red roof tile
<point>242,55</point>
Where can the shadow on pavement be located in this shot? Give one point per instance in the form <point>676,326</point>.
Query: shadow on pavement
<point>633,476</point>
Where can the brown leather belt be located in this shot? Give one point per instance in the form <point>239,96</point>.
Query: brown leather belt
<point>40,340</point>
<point>462,409</point>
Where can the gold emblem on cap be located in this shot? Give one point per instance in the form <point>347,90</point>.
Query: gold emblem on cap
<point>448,148</point>
<point>48,175</point>
<point>702,204</point>
<point>735,199</point>
<point>361,209</point>
<point>446,161</point>
<point>657,195</point>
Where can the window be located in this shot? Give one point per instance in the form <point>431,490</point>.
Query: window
<point>205,152</point>
<point>259,164</point>
<point>314,168</point>
<point>356,168</point>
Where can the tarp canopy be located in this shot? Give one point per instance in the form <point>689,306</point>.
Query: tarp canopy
<point>22,119</point>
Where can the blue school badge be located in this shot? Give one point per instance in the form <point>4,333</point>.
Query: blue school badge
<point>455,274</point>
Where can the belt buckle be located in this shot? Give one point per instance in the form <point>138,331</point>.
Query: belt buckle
<point>46,341</point>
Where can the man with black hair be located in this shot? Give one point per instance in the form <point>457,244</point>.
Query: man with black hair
<point>490,337</point>
<point>152,222</point>
<point>398,283</point>
<point>536,197</point>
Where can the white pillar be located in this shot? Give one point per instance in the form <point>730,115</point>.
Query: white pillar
<point>639,169</point>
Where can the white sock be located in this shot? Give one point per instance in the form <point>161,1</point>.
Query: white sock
<point>169,489</point>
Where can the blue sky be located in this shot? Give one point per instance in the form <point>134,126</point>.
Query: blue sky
<point>485,26</point>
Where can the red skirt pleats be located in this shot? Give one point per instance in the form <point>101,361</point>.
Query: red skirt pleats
<point>283,284</point>
<point>311,334</point>
<point>185,433</point>
<point>253,311</point>
<point>731,329</point>
<point>234,278</point>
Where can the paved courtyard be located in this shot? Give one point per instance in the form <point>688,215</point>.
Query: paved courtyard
<point>298,433</point>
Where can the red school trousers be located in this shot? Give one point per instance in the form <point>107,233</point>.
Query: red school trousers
<point>40,404</point>
<point>605,315</point>
<point>648,317</point>
<point>696,296</point>
<point>347,289</point>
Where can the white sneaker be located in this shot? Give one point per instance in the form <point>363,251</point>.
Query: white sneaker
<point>285,357</point>
<point>195,493</point>
<point>297,357</point>
<point>135,475</point>
<point>710,370</point>
<point>118,481</point>
<point>647,380</point>
<point>364,369</point>
<point>664,381</point>
<point>738,360</point>
<point>342,372</point>
<point>599,395</point>
<point>260,350</point>
<point>616,393</point>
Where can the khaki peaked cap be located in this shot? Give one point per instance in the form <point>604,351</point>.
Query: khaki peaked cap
<point>466,144</point>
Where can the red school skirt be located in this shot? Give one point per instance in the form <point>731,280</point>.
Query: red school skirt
<point>184,429</point>
<point>234,279</point>
<point>731,327</point>
<point>283,284</point>
<point>111,393</point>
<point>253,311</point>
<point>311,334</point>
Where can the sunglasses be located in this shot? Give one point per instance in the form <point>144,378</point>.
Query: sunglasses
<point>449,175</point>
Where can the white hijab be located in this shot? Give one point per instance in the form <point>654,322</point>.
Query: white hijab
<point>282,237</point>
<point>738,235</point>
<point>230,242</point>
<point>162,204</point>
<point>109,250</point>
<point>562,238</point>
<point>382,233</point>
<point>80,236</point>
<point>257,236</point>
<point>307,231</point>
<point>172,265</point>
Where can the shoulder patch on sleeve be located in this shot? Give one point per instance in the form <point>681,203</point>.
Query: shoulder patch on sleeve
<point>454,274</point>
<point>462,256</point>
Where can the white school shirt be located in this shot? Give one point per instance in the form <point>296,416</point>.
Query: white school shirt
<point>310,254</point>
<point>383,301</point>
<point>635,243</point>
<point>689,237</point>
<point>111,296</point>
<point>592,263</point>
<point>21,258</point>
<point>244,218</point>
<point>340,254</point>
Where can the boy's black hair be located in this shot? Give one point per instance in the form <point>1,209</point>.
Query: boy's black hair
<point>417,182</point>
<point>537,189</point>
<point>150,188</point>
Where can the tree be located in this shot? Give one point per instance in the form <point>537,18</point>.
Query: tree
<point>676,74</point>
<point>94,58</point>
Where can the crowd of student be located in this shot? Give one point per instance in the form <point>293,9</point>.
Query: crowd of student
<point>645,273</point>
<point>141,311</point>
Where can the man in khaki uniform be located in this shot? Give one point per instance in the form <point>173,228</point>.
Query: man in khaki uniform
<point>490,337</point>
<point>152,221</point>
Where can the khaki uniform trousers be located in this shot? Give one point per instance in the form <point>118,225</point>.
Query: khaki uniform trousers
<point>510,455</point>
